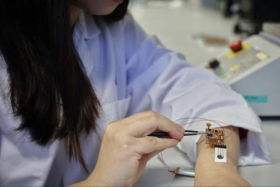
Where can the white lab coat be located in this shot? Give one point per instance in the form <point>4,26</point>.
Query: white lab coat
<point>130,72</point>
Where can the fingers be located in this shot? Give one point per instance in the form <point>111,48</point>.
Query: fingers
<point>135,117</point>
<point>146,145</point>
<point>126,147</point>
<point>144,123</point>
<point>122,123</point>
<point>155,122</point>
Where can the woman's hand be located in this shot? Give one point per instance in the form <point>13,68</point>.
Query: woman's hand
<point>126,148</point>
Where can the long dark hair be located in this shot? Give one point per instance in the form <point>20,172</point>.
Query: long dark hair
<point>49,89</point>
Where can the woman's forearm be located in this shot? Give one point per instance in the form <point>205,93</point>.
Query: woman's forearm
<point>210,173</point>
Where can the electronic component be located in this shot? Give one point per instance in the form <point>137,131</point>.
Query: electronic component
<point>220,153</point>
<point>214,136</point>
<point>184,172</point>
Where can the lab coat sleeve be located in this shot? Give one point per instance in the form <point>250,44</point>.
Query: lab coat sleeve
<point>161,80</point>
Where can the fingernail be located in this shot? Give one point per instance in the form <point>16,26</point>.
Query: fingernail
<point>181,129</point>
<point>180,132</point>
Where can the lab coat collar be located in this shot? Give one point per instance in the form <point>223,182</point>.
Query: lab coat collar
<point>88,26</point>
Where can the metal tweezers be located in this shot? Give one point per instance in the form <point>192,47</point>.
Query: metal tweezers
<point>187,133</point>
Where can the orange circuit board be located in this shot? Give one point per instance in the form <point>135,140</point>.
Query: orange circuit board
<point>214,136</point>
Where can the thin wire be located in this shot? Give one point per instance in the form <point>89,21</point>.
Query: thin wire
<point>195,121</point>
<point>160,155</point>
<point>164,161</point>
<point>230,132</point>
<point>200,119</point>
<point>223,128</point>
<point>229,126</point>
<point>211,120</point>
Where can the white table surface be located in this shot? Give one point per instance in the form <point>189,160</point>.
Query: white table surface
<point>263,175</point>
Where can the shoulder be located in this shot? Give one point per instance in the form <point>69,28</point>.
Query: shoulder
<point>127,24</point>
<point>128,20</point>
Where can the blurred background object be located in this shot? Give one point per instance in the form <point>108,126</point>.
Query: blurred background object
<point>254,13</point>
<point>238,40</point>
<point>192,27</point>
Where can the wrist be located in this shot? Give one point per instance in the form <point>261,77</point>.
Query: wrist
<point>83,183</point>
<point>99,178</point>
<point>95,180</point>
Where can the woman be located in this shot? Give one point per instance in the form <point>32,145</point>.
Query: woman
<point>74,70</point>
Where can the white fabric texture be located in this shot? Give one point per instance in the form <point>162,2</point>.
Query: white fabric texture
<point>130,72</point>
